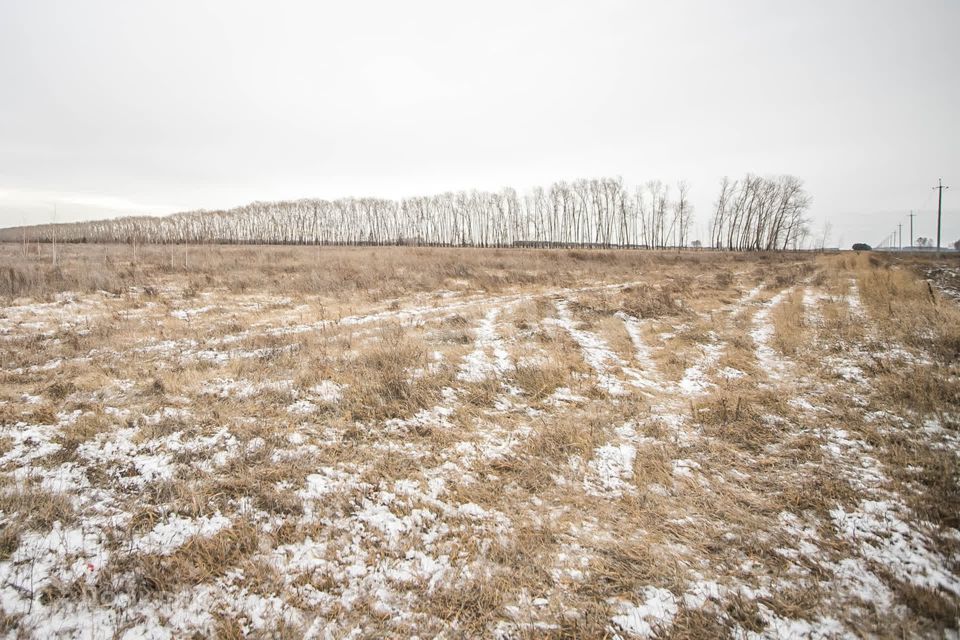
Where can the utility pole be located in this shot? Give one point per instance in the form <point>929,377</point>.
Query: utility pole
<point>939,188</point>
<point>900,231</point>
<point>912,215</point>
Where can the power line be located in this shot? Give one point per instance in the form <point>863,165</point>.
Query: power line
<point>912,216</point>
<point>939,188</point>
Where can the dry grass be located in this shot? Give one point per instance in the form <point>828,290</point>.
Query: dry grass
<point>391,380</point>
<point>84,428</point>
<point>545,453</point>
<point>538,382</point>
<point>788,323</point>
<point>909,311</point>
<point>818,490</point>
<point>744,417</point>
<point>376,273</point>
<point>198,561</point>
<point>315,401</point>
<point>36,508</point>
<point>26,508</point>
<point>933,476</point>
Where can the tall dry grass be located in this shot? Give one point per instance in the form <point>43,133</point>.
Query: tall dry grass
<point>372,272</point>
<point>788,323</point>
<point>908,308</point>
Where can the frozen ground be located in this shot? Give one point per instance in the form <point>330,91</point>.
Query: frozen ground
<point>540,462</point>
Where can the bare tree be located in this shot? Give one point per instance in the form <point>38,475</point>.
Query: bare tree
<point>750,214</point>
<point>760,214</point>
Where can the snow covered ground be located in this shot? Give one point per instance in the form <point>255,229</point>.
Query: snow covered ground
<point>520,464</point>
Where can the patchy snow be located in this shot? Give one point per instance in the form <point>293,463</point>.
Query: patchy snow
<point>116,453</point>
<point>328,480</point>
<point>28,443</point>
<point>881,536</point>
<point>595,351</point>
<point>327,392</point>
<point>695,381</point>
<point>174,414</point>
<point>701,592</point>
<point>762,333</point>
<point>172,533</point>
<point>187,314</point>
<point>654,614</point>
<point>802,404</point>
<point>685,468</point>
<point>854,301</point>
<point>845,368</point>
<point>647,376</point>
<point>395,511</point>
<point>478,365</point>
<point>749,296</point>
<point>882,528</point>
<point>812,299</point>
<point>780,628</point>
<point>302,407</point>
<point>564,394</point>
<point>437,416</point>
<point>730,373</point>
<point>242,389</point>
<point>62,555</point>
<point>612,467</point>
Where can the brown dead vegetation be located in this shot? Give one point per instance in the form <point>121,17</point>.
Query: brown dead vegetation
<point>711,475</point>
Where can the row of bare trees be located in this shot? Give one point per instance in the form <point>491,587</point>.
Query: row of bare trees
<point>760,214</point>
<point>600,212</point>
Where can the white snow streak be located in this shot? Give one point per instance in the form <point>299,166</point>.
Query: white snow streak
<point>477,365</point>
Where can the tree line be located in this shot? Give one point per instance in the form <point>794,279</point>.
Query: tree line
<point>751,214</point>
<point>760,214</point>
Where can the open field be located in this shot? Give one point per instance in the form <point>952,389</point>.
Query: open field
<point>292,441</point>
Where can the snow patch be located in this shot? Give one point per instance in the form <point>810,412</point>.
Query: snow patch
<point>654,614</point>
<point>171,534</point>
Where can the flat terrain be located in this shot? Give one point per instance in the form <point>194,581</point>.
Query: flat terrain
<point>292,441</point>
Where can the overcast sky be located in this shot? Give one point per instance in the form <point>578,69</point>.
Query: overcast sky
<point>118,107</point>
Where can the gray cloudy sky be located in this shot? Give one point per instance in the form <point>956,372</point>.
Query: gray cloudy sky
<point>117,107</point>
